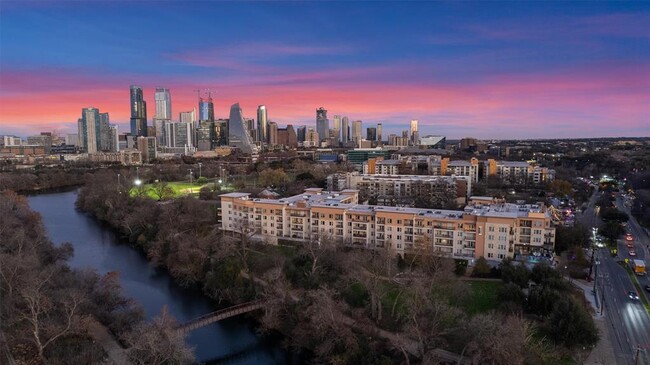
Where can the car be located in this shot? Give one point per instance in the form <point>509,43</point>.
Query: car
<point>633,295</point>
<point>629,244</point>
<point>632,253</point>
<point>629,237</point>
<point>647,288</point>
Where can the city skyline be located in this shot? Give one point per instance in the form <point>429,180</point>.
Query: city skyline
<point>462,69</point>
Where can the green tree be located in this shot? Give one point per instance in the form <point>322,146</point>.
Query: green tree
<point>511,292</point>
<point>273,178</point>
<point>481,268</point>
<point>571,325</point>
<point>541,300</point>
<point>560,187</point>
<point>517,274</point>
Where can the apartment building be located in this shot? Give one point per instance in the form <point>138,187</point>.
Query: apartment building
<point>378,165</point>
<point>401,189</point>
<point>485,227</point>
<point>517,172</point>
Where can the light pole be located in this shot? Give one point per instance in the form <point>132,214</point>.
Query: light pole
<point>200,169</point>
<point>190,176</point>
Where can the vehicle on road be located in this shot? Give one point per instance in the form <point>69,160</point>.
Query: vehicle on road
<point>629,244</point>
<point>647,288</point>
<point>638,266</point>
<point>633,295</point>
<point>632,253</point>
<point>628,237</point>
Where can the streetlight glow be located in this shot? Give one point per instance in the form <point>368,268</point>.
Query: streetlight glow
<point>138,182</point>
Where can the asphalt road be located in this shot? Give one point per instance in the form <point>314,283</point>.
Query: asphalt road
<point>628,321</point>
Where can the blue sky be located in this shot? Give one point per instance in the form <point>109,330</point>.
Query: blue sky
<point>483,69</point>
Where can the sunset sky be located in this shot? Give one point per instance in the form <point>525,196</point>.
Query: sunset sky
<point>486,69</point>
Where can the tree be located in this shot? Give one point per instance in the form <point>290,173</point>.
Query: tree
<point>162,190</point>
<point>481,268</point>
<point>560,187</point>
<point>273,178</point>
<point>571,325</point>
<point>159,342</point>
<point>541,300</point>
<point>611,230</point>
<point>494,339</point>
<point>511,292</point>
<point>517,274</point>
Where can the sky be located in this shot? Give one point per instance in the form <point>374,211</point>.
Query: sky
<point>490,70</point>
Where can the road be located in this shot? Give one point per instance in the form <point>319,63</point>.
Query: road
<point>628,322</point>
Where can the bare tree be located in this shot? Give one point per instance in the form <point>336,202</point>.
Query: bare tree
<point>159,342</point>
<point>162,190</point>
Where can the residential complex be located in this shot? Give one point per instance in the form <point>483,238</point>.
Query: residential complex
<point>486,227</point>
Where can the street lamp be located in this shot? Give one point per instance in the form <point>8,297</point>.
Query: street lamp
<point>190,176</point>
<point>200,169</point>
<point>138,182</point>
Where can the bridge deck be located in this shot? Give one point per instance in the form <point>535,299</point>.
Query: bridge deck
<point>219,315</point>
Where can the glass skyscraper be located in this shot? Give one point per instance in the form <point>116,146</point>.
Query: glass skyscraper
<point>206,109</point>
<point>163,103</point>
<point>90,129</point>
<point>138,112</point>
<point>322,124</point>
<point>262,124</point>
<point>238,135</point>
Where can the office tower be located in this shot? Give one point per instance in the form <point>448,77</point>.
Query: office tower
<point>90,129</point>
<point>311,138</point>
<point>163,103</point>
<point>204,135</point>
<point>345,131</point>
<point>322,124</point>
<point>238,135</point>
<point>301,133</point>
<point>104,132</point>
<point>187,117</point>
<point>221,132</point>
<point>273,133</point>
<point>356,132</point>
<point>114,142</point>
<point>405,134</point>
<point>179,134</point>
<point>252,129</point>
<point>70,139</point>
<point>147,147</point>
<point>335,132</point>
<point>371,133</point>
<point>379,127</point>
<point>163,115</point>
<point>262,125</point>
<point>80,133</point>
<point>287,137</point>
<point>413,131</point>
<point>206,109</point>
<point>138,112</point>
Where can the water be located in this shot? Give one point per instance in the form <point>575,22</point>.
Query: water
<point>232,341</point>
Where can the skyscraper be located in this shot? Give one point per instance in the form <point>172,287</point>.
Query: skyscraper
<point>413,131</point>
<point>90,129</point>
<point>206,109</point>
<point>138,112</point>
<point>371,133</point>
<point>163,103</point>
<point>345,131</point>
<point>379,127</point>
<point>262,125</point>
<point>301,133</point>
<point>322,124</point>
<point>335,132</point>
<point>273,134</point>
<point>238,135</point>
<point>104,132</point>
<point>357,126</point>
<point>187,117</point>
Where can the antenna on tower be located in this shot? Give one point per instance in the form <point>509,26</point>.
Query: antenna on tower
<point>209,91</point>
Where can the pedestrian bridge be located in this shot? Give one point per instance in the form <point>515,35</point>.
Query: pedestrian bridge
<point>219,315</point>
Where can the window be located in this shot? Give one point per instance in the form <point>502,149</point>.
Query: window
<point>490,228</point>
<point>490,255</point>
<point>490,245</point>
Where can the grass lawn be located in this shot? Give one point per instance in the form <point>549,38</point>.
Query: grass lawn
<point>179,188</point>
<point>483,296</point>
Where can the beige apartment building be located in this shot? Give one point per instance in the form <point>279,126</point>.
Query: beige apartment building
<point>486,227</point>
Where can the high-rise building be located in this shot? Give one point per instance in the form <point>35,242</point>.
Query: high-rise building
<point>379,127</point>
<point>70,139</point>
<point>273,133</point>
<point>371,133</point>
<point>301,133</point>
<point>163,115</point>
<point>322,124</point>
<point>187,117</point>
<point>147,147</point>
<point>238,135</point>
<point>114,139</point>
<point>262,125</point>
<point>287,137</point>
<point>104,132</point>
<point>179,134</point>
<point>90,129</point>
<point>206,109</point>
<point>413,131</point>
<point>335,132</point>
<point>345,131</point>
<point>356,137</point>
<point>138,112</point>
<point>204,135</point>
<point>311,138</point>
<point>221,132</point>
<point>163,103</point>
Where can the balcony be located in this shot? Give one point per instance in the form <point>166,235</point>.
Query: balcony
<point>359,226</point>
<point>297,228</point>
<point>297,214</point>
<point>339,225</point>
<point>359,234</point>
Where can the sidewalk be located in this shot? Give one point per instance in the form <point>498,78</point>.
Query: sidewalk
<point>603,353</point>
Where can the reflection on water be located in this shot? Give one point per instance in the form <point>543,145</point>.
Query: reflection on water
<point>232,341</point>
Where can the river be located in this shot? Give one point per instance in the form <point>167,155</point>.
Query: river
<point>232,341</point>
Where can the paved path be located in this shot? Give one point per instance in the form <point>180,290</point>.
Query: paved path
<point>116,354</point>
